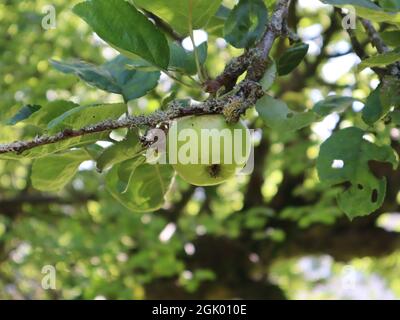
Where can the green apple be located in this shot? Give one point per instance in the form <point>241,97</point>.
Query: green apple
<point>206,150</point>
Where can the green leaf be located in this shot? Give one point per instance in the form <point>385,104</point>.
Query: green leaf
<point>177,14</point>
<point>133,84</point>
<point>391,38</point>
<point>368,10</point>
<point>113,76</point>
<point>390,92</point>
<point>183,60</point>
<point>291,58</point>
<point>353,152</point>
<point>358,3</point>
<point>333,104</point>
<point>53,172</point>
<point>246,23</point>
<point>216,24</point>
<point>278,116</point>
<point>50,111</point>
<point>123,150</point>
<point>382,59</point>
<point>24,113</point>
<point>374,109</point>
<point>126,29</point>
<point>395,117</point>
<point>269,77</point>
<point>139,187</point>
<point>90,73</point>
<point>86,115</point>
<point>390,4</point>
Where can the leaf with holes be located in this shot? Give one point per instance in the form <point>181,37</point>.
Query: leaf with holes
<point>344,158</point>
<point>333,104</point>
<point>246,23</point>
<point>53,172</point>
<point>277,115</point>
<point>122,26</point>
<point>139,186</point>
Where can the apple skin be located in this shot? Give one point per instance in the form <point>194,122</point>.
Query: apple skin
<point>209,173</point>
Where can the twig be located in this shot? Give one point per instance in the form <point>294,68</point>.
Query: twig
<point>380,45</point>
<point>359,48</point>
<point>376,40</point>
<point>246,96</point>
<point>275,27</point>
<point>254,60</point>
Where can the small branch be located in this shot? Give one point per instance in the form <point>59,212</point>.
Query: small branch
<point>376,40</point>
<point>275,28</point>
<point>247,94</point>
<point>359,48</point>
<point>356,45</point>
<point>253,60</point>
<point>380,45</point>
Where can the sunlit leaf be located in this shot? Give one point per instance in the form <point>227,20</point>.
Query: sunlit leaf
<point>120,151</point>
<point>126,29</point>
<point>53,172</point>
<point>277,115</point>
<point>269,77</point>
<point>177,12</point>
<point>85,115</point>
<point>381,60</point>
<point>139,187</point>
<point>23,113</point>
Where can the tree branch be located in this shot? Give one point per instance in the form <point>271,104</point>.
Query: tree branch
<point>245,96</point>
<point>248,92</point>
<point>254,60</point>
<point>376,40</point>
<point>379,44</point>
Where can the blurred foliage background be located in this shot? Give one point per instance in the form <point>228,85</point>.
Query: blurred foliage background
<point>277,233</point>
